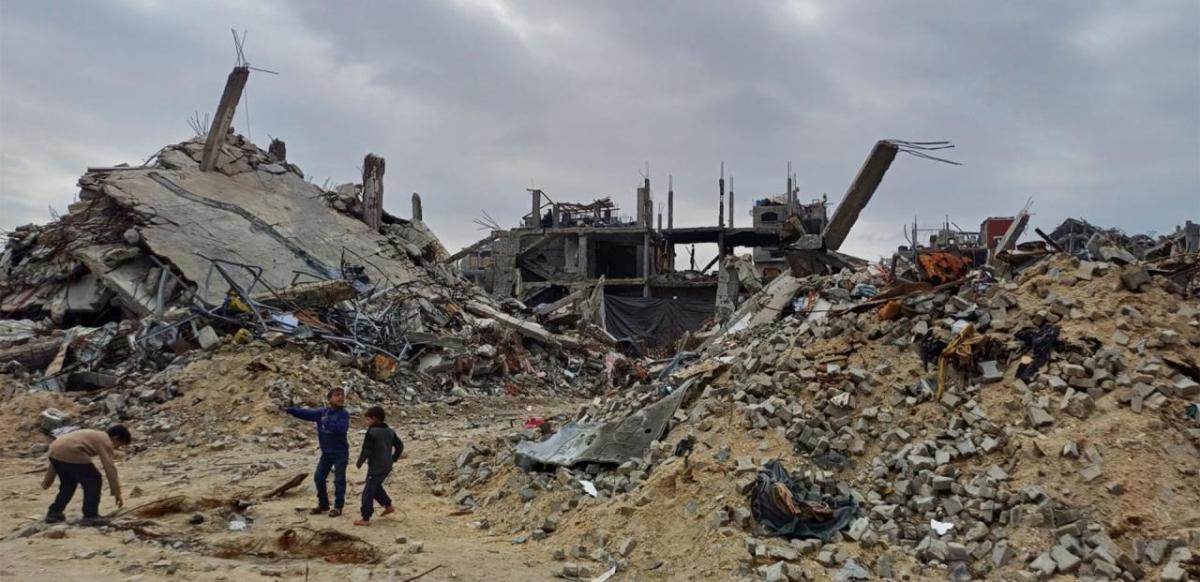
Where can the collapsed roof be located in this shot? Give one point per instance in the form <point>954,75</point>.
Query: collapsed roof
<point>140,238</point>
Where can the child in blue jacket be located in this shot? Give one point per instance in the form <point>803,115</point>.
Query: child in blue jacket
<point>332,424</point>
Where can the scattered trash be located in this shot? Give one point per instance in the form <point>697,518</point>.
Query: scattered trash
<point>612,571</point>
<point>238,523</point>
<point>1037,345</point>
<point>941,527</point>
<point>589,488</point>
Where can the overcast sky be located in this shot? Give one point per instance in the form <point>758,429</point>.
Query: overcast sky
<point>1092,109</point>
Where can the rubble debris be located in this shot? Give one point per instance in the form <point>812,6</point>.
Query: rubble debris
<point>613,443</point>
<point>1056,358</point>
<point>944,482</point>
<point>381,300</point>
<point>288,486</point>
<point>328,544</point>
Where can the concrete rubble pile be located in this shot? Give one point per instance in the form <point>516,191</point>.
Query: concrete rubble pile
<point>975,424</point>
<point>162,265</point>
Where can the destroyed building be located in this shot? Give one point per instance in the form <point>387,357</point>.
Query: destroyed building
<point>215,237</point>
<point>978,428</point>
<point>564,251</point>
<point>1029,413</point>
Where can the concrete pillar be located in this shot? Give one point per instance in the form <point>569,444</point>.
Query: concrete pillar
<point>417,212</point>
<point>373,166</point>
<point>537,207</point>
<point>583,256</point>
<point>721,204</point>
<point>731,201</point>
<point>224,117</point>
<point>649,202</point>
<point>670,205</point>
<point>647,263</point>
<point>859,194</point>
<point>641,206</point>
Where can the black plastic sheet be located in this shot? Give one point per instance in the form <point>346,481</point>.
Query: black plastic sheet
<point>657,321</point>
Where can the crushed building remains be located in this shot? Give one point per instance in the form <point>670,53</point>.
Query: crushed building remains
<point>564,248</point>
<point>977,407</point>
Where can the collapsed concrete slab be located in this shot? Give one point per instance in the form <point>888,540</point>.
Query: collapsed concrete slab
<point>142,237</point>
<point>278,222</point>
<point>611,443</point>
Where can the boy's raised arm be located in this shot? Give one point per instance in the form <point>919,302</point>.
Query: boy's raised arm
<point>309,414</point>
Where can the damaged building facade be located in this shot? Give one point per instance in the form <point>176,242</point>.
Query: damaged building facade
<point>626,265</point>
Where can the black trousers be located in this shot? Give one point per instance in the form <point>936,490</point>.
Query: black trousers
<point>372,492</point>
<point>71,475</point>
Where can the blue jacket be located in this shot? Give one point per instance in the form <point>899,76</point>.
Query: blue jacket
<point>332,425</point>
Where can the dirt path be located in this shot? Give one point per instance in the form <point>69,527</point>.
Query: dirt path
<point>456,543</point>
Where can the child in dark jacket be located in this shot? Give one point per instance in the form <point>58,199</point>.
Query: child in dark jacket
<point>333,422</point>
<point>381,448</point>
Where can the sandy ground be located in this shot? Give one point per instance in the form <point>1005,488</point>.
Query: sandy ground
<point>462,550</point>
<point>229,441</point>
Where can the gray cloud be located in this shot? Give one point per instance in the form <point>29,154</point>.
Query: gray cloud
<point>1090,108</point>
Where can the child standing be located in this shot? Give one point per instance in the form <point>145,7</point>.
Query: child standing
<point>332,424</point>
<point>381,448</point>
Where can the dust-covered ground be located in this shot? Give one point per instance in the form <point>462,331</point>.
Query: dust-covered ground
<point>1120,471</point>
<point>424,533</point>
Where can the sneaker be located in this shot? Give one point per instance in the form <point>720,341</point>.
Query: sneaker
<point>318,510</point>
<point>55,517</point>
<point>94,522</point>
<point>388,511</point>
<point>362,522</point>
<point>335,512</point>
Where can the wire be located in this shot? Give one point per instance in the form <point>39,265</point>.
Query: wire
<point>246,106</point>
<point>918,148</point>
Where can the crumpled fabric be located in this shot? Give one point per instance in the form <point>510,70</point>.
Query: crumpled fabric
<point>1040,343</point>
<point>788,509</point>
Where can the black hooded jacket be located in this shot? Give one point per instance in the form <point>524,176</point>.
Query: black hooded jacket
<point>381,447</point>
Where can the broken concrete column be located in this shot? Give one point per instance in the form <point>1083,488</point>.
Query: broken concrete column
<point>417,214</point>
<point>670,205</point>
<point>649,202</point>
<point>731,201</point>
<point>278,150</point>
<point>859,194</point>
<point>1011,234</point>
<point>373,166</point>
<point>34,355</point>
<point>535,215</point>
<point>721,203</point>
<point>224,118</point>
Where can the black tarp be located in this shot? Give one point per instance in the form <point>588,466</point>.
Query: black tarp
<point>657,321</point>
<point>787,508</point>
